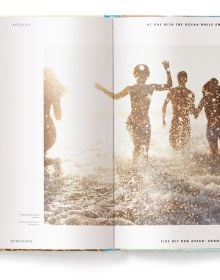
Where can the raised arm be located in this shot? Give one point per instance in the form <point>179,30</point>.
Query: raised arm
<point>164,109</point>
<point>168,85</point>
<point>113,95</point>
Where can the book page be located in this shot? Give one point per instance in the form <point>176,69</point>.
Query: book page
<point>56,133</point>
<point>166,132</point>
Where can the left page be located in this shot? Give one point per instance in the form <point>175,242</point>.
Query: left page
<point>56,188</point>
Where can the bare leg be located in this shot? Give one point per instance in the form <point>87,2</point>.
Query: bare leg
<point>57,167</point>
<point>145,152</point>
<point>47,161</point>
<point>136,154</point>
<point>55,163</point>
<point>213,146</point>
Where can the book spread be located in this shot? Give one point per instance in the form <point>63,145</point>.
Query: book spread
<point>109,133</point>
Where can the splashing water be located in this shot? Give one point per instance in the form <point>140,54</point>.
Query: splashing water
<point>182,188</point>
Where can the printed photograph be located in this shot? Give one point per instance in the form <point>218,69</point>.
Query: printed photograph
<point>141,152</point>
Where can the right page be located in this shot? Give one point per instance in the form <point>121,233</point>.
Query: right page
<point>166,132</point>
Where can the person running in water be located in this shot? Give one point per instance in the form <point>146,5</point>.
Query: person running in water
<point>53,91</point>
<point>182,100</point>
<point>138,122</point>
<point>211,104</point>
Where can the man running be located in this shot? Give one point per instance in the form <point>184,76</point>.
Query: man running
<point>182,100</point>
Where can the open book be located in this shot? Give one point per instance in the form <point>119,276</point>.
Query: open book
<point>109,133</point>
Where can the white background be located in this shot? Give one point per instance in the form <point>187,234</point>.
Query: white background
<point>97,265</point>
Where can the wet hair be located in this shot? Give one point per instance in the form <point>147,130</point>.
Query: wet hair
<point>182,74</point>
<point>207,86</point>
<point>214,80</point>
<point>54,87</point>
<point>141,70</point>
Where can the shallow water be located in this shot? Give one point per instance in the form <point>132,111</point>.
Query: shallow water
<point>180,189</point>
<point>83,195</point>
<point>161,192</point>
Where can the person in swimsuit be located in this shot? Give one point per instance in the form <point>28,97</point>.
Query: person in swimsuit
<point>138,122</point>
<point>182,100</point>
<point>211,104</point>
<point>53,91</point>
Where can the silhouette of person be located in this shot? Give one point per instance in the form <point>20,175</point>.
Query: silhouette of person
<point>138,122</point>
<point>182,100</point>
<point>211,104</point>
<point>53,91</point>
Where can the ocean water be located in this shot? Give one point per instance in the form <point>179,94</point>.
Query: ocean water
<point>182,190</point>
<point>176,189</point>
<point>83,194</point>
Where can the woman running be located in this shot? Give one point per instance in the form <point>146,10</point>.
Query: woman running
<point>53,91</point>
<point>138,122</point>
<point>211,104</point>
